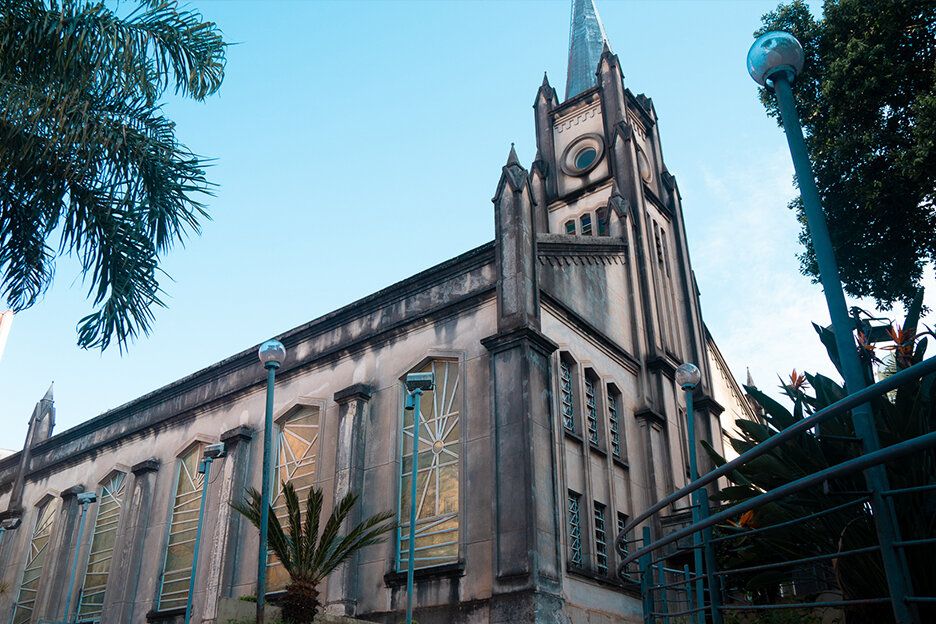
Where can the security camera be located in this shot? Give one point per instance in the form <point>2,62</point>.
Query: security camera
<point>86,498</point>
<point>8,524</point>
<point>420,381</point>
<point>214,451</point>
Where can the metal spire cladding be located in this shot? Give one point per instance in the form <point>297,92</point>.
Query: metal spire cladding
<point>586,41</point>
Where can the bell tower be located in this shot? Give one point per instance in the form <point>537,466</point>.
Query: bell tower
<point>599,179</point>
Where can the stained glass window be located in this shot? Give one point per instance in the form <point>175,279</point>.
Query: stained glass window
<point>110,502</point>
<point>35,559</point>
<point>586,225</point>
<point>575,529</point>
<point>601,216</point>
<point>296,457</point>
<point>601,540</point>
<point>614,425</point>
<point>565,395</point>
<point>591,411</point>
<point>183,528</point>
<point>438,472</point>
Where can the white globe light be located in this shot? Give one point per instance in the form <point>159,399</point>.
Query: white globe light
<point>688,376</point>
<point>272,352</point>
<point>773,52</point>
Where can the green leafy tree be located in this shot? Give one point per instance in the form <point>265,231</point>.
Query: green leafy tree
<point>308,555</point>
<point>89,165</point>
<point>904,414</point>
<point>867,100</point>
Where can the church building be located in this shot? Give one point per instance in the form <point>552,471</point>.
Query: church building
<point>554,418</point>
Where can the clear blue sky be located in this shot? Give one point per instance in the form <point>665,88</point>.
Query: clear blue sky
<point>357,143</point>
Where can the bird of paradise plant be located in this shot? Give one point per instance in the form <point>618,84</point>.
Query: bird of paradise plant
<point>908,412</point>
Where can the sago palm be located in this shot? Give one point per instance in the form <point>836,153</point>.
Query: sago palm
<point>307,554</point>
<point>89,166</point>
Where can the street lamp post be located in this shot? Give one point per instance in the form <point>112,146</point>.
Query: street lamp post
<point>272,353</point>
<point>774,61</point>
<point>688,377</point>
<point>211,453</point>
<point>8,524</point>
<point>416,384</point>
<point>84,499</point>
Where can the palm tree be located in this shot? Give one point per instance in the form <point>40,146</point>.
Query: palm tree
<point>307,556</point>
<point>89,166</point>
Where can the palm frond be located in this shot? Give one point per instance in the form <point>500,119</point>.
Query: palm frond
<point>84,147</point>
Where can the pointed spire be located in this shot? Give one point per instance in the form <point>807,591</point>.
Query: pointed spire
<point>512,158</point>
<point>587,40</point>
<point>48,394</point>
<point>750,380</point>
<point>545,81</point>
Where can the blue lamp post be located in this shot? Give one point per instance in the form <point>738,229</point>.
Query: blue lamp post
<point>416,384</point>
<point>8,524</point>
<point>211,453</point>
<point>272,353</point>
<point>84,499</point>
<point>688,377</point>
<point>774,61</point>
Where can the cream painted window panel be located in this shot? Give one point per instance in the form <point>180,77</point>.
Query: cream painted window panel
<point>297,445</point>
<point>183,527</point>
<point>35,560</point>
<point>91,601</point>
<point>438,474</point>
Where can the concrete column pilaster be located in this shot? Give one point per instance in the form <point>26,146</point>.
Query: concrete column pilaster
<point>124,577</point>
<point>353,403</point>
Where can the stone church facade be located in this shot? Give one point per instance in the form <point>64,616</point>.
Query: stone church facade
<point>555,415</point>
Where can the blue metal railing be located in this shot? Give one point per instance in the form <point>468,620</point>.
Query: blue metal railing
<point>678,597</point>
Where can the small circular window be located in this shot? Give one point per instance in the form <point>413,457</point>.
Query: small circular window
<point>582,155</point>
<point>586,157</point>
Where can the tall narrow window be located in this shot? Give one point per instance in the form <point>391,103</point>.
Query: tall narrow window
<point>296,455</point>
<point>110,503</point>
<point>570,228</point>
<point>621,523</point>
<point>586,225</point>
<point>613,424</point>
<point>565,395</point>
<point>438,472</point>
<point>601,216</point>
<point>183,528</point>
<point>575,529</point>
<point>35,560</point>
<point>601,539</point>
<point>591,410</point>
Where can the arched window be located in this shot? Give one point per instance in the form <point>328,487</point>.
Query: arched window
<point>110,503</point>
<point>296,458</point>
<point>601,216</point>
<point>183,527</point>
<point>35,560</point>
<point>438,473</point>
<point>586,222</point>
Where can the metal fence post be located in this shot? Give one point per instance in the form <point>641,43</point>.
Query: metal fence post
<point>646,580</point>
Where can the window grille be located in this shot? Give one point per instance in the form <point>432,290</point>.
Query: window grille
<point>591,411</point>
<point>110,502</point>
<point>35,560</point>
<point>296,458</point>
<point>586,225</point>
<point>575,529</point>
<point>438,472</point>
<point>601,540</point>
<point>565,395</point>
<point>601,216</point>
<point>183,527</point>
<point>614,425</point>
